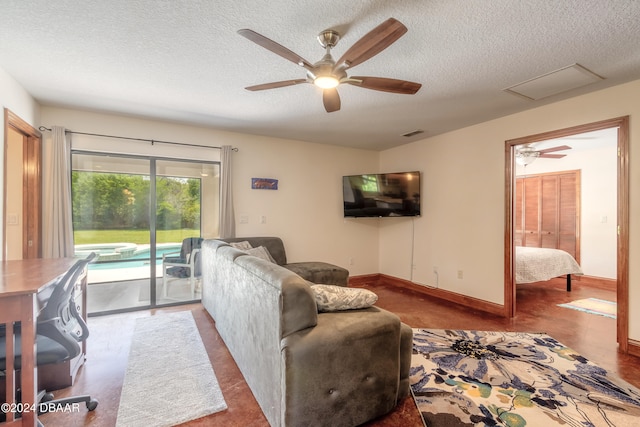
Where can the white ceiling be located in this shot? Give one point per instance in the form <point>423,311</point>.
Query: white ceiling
<point>183,61</point>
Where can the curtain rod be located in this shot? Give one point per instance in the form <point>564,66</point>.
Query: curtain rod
<point>152,141</point>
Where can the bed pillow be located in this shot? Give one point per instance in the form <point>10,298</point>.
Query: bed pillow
<point>337,298</point>
<point>243,246</point>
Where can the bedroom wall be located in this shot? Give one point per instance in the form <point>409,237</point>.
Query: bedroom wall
<point>597,161</point>
<point>462,228</point>
<point>306,210</point>
<point>15,98</point>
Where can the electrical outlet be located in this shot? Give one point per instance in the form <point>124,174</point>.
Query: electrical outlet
<point>435,270</point>
<point>460,274</point>
<point>350,261</point>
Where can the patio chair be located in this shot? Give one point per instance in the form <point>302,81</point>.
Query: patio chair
<point>182,265</point>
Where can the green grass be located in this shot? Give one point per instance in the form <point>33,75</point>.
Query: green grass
<point>83,237</point>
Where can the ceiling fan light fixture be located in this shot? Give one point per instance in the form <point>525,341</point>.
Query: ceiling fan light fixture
<point>526,156</point>
<point>327,74</point>
<point>326,82</point>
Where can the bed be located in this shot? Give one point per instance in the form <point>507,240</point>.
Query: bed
<point>540,264</point>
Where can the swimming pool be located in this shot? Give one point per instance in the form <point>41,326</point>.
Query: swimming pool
<point>124,255</point>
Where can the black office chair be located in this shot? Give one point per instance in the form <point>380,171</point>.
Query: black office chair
<point>60,329</point>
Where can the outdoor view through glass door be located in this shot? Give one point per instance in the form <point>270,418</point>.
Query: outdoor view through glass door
<point>143,260</point>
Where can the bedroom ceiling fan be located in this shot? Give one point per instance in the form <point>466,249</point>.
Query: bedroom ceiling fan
<point>527,154</point>
<point>327,73</point>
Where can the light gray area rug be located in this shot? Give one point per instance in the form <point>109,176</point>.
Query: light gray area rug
<point>169,378</point>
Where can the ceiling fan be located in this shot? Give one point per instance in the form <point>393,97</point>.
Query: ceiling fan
<point>527,154</point>
<point>327,73</point>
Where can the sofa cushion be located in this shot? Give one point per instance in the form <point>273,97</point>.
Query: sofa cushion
<point>274,245</point>
<point>260,252</point>
<point>243,245</point>
<point>320,272</point>
<point>338,298</point>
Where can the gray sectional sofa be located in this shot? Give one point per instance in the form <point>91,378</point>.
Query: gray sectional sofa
<point>313,271</point>
<point>304,368</point>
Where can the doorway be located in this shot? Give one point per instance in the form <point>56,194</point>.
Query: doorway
<point>621,215</point>
<point>22,226</point>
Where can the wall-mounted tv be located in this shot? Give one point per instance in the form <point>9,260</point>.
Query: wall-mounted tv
<point>381,194</point>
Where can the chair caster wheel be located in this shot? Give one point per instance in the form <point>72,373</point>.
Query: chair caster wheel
<point>92,404</point>
<point>47,397</point>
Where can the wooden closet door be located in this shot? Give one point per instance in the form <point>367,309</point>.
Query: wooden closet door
<point>531,200</point>
<point>569,214</point>
<point>518,232</point>
<point>548,211</point>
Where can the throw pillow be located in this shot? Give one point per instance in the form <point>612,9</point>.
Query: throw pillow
<point>243,246</point>
<point>260,252</point>
<point>336,298</point>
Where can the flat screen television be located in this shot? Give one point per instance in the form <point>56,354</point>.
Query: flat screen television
<point>381,194</point>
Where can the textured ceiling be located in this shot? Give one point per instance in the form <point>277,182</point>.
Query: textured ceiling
<point>183,61</point>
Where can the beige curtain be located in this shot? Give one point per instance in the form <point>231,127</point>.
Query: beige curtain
<point>57,226</point>
<point>227,215</point>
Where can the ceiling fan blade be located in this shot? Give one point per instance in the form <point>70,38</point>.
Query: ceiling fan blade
<point>275,48</point>
<point>331,100</point>
<point>385,85</point>
<point>372,43</point>
<point>274,85</point>
<point>552,156</point>
<point>552,149</point>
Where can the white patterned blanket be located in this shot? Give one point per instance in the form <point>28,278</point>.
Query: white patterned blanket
<point>539,264</point>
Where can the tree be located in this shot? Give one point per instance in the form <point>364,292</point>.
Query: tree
<point>121,201</point>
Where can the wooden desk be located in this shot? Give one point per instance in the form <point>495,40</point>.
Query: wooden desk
<point>20,283</point>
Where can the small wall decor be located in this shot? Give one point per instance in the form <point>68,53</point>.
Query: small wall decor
<point>264,184</point>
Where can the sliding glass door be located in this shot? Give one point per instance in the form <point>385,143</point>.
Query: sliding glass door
<point>144,218</point>
<point>186,211</point>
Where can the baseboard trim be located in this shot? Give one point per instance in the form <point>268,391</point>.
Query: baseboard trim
<point>633,347</point>
<point>364,279</point>
<point>463,300</point>
<point>597,282</point>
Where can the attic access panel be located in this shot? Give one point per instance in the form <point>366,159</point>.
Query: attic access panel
<point>555,82</point>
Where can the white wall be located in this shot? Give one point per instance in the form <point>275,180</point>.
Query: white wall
<point>462,189</point>
<point>16,99</point>
<point>462,227</point>
<point>597,162</point>
<point>306,210</point>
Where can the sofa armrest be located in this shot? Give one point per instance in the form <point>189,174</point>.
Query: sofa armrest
<point>406,350</point>
<point>344,371</point>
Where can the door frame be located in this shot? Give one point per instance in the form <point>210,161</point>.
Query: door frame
<point>32,186</point>
<point>622,123</point>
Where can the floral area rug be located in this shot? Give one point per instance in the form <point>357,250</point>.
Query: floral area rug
<point>475,378</point>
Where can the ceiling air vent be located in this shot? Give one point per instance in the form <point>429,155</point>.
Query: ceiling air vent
<point>413,133</point>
